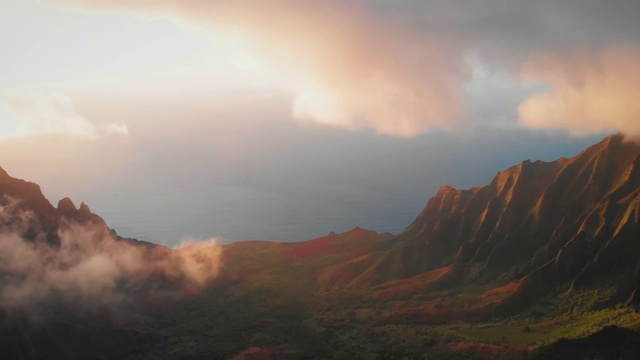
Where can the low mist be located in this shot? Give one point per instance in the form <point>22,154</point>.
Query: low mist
<point>90,267</point>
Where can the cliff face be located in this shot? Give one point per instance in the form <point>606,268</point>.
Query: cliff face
<point>23,202</point>
<point>568,220</point>
<point>541,236</point>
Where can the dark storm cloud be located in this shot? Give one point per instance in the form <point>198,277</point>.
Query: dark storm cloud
<point>523,25</point>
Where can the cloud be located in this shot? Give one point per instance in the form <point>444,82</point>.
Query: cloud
<point>395,67</point>
<point>512,29</point>
<point>89,268</point>
<point>195,257</point>
<point>46,111</point>
<point>590,91</point>
<point>344,65</point>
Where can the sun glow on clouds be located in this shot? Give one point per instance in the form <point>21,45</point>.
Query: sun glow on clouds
<point>590,92</point>
<point>342,63</point>
<point>344,66</point>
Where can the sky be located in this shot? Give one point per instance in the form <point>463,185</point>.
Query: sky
<point>285,120</point>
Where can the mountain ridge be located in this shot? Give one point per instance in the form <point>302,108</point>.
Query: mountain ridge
<point>479,225</point>
<point>544,250</point>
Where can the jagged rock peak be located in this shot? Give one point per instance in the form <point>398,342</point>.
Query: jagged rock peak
<point>84,209</point>
<point>611,141</point>
<point>357,230</point>
<point>66,205</point>
<point>529,162</point>
<point>445,189</point>
<point>528,213</point>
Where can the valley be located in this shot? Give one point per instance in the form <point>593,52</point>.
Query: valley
<point>541,263</point>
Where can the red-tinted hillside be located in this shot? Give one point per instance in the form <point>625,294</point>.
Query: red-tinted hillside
<point>572,220</point>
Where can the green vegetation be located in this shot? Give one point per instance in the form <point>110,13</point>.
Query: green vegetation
<point>277,304</point>
<point>541,263</point>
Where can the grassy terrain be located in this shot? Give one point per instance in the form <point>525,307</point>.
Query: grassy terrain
<point>266,298</point>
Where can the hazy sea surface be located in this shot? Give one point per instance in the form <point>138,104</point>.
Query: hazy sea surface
<point>304,190</point>
<point>234,215</point>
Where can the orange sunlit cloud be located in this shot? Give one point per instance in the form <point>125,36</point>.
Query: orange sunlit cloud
<point>344,66</point>
<point>590,92</point>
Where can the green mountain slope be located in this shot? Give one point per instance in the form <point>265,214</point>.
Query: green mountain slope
<point>543,262</point>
